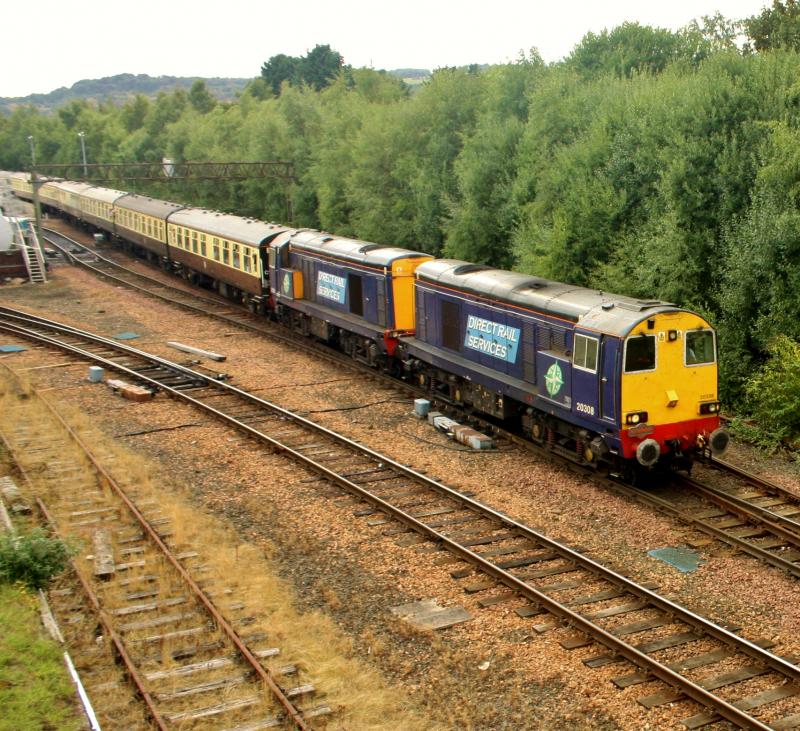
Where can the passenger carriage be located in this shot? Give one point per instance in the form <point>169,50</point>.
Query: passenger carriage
<point>22,186</point>
<point>143,221</point>
<point>222,251</point>
<point>97,207</point>
<point>69,197</point>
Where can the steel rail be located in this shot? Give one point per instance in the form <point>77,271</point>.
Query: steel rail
<point>782,526</point>
<point>72,258</point>
<point>130,666</point>
<point>668,508</point>
<point>111,632</point>
<point>619,647</point>
<point>264,674</point>
<point>770,487</point>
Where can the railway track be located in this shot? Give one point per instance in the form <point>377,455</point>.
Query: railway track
<point>490,553</point>
<point>186,645</point>
<point>741,519</point>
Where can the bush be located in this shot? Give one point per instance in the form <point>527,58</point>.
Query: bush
<point>772,397</point>
<point>33,558</point>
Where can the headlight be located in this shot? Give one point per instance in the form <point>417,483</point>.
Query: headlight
<point>710,407</point>
<point>637,417</point>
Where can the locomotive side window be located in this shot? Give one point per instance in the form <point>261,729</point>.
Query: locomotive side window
<point>451,330</point>
<point>699,347</point>
<point>640,353</point>
<point>584,354</point>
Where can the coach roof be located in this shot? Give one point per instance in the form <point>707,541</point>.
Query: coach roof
<point>71,186</point>
<point>590,308</point>
<point>148,206</point>
<point>106,195</point>
<point>234,228</point>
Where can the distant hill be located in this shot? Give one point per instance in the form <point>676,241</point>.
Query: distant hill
<point>120,88</point>
<point>412,77</point>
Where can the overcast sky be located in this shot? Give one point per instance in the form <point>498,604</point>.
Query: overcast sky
<point>47,43</point>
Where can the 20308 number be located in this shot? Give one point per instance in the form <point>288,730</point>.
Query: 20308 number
<point>585,408</point>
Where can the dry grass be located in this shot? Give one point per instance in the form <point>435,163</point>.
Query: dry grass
<point>359,694</point>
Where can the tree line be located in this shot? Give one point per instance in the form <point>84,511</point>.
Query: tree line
<point>648,162</point>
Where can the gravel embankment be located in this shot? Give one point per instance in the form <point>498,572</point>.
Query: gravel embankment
<point>355,573</point>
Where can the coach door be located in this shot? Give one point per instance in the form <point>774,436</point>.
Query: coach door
<point>585,378</point>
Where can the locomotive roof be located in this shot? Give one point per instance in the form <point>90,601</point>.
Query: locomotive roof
<point>149,206</point>
<point>247,230</point>
<point>591,308</point>
<point>353,250</point>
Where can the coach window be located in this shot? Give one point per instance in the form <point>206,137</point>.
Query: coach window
<point>246,260</point>
<point>699,347</point>
<point>215,247</point>
<point>451,325</point>
<point>236,255</point>
<point>640,353</point>
<point>194,241</point>
<point>225,252</point>
<point>203,244</point>
<point>584,353</point>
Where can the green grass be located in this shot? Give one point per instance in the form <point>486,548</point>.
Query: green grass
<point>35,689</point>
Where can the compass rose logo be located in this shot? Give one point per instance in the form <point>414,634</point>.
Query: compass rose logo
<point>553,379</point>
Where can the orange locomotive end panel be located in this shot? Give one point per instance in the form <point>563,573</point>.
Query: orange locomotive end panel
<point>403,290</point>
